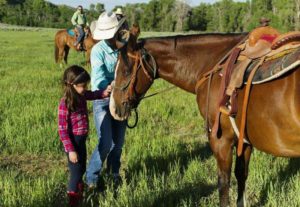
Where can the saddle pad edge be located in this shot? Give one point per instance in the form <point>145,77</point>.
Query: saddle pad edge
<point>290,67</point>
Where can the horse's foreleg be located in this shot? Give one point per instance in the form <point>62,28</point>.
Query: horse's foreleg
<point>222,148</point>
<point>60,56</point>
<point>241,174</point>
<point>88,55</point>
<point>66,53</point>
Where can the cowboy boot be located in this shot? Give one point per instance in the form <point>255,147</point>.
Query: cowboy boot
<point>78,46</point>
<point>74,199</point>
<point>80,188</point>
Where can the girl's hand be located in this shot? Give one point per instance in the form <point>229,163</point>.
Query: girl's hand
<point>73,157</point>
<point>107,91</point>
<point>109,88</point>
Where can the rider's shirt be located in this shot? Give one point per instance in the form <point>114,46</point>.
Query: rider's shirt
<point>79,19</point>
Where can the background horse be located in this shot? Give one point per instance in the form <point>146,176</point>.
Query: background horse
<point>64,41</point>
<point>273,112</point>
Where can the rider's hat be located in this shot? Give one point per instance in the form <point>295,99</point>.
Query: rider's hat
<point>107,25</point>
<point>119,11</point>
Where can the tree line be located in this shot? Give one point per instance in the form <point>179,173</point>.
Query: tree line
<point>40,13</point>
<point>164,15</point>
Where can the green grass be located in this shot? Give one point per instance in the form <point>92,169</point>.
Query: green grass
<point>166,160</point>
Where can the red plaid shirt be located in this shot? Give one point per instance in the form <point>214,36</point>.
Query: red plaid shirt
<point>77,122</point>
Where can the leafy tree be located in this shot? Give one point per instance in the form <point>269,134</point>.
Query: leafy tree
<point>100,8</point>
<point>2,7</point>
<point>199,17</point>
<point>164,15</point>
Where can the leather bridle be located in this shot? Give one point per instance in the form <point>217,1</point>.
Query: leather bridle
<point>140,62</point>
<point>131,99</point>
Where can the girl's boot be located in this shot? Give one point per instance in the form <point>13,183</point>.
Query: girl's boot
<point>74,199</point>
<point>80,188</point>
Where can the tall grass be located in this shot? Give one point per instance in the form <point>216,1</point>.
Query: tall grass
<point>166,160</point>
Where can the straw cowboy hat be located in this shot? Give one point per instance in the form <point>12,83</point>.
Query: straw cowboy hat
<point>107,25</point>
<point>119,11</point>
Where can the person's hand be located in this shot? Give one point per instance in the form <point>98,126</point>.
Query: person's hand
<point>73,157</point>
<point>105,94</point>
<point>109,88</point>
<point>107,91</point>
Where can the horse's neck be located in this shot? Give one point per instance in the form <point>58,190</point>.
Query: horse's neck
<point>182,60</point>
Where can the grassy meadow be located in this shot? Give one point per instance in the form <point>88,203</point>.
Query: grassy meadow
<point>166,159</point>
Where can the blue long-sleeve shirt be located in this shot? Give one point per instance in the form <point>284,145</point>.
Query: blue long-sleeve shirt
<point>103,61</point>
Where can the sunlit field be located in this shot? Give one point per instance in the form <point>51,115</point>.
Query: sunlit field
<point>166,160</point>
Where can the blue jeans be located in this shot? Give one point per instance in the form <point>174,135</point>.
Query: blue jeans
<point>81,34</point>
<point>111,134</point>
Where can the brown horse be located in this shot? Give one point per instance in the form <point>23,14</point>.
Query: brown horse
<point>64,41</point>
<point>273,124</point>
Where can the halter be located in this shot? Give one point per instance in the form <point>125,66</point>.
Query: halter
<point>140,62</point>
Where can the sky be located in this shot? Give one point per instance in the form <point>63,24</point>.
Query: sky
<point>110,4</point>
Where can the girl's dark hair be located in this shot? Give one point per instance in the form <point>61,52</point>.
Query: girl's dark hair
<point>73,75</point>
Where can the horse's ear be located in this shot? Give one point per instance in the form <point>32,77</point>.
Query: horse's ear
<point>135,30</point>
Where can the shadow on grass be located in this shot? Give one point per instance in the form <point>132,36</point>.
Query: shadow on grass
<point>58,197</point>
<point>190,193</point>
<point>283,176</point>
<point>162,164</point>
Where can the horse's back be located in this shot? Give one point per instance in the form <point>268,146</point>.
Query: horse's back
<point>61,32</point>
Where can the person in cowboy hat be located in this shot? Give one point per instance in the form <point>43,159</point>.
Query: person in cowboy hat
<point>110,132</point>
<point>79,20</point>
<point>120,15</point>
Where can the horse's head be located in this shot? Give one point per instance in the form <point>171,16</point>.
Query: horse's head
<point>134,74</point>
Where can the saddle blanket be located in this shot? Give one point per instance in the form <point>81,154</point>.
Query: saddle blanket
<point>275,68</point>
<point>71,32</point>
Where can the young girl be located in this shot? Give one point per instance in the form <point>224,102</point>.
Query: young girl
<point>73,125</point>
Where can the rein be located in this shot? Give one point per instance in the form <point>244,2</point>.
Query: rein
<point>159,92</point>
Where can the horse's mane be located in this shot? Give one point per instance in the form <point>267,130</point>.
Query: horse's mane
<point>187,37</point>
<point>191,36</point>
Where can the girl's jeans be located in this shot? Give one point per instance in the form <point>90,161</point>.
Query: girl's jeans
<point>111,135</point>
<point>77,169</point>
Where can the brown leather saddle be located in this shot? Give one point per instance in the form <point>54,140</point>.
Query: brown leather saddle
<point>258,58</point>
<point>263,42</point>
